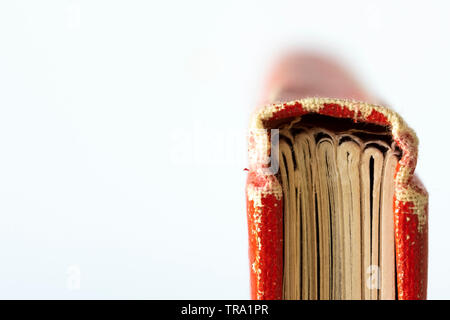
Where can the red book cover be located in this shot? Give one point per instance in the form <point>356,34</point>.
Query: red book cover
<point>264,193</point>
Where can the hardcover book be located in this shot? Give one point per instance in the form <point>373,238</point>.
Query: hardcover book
<point>334,208</point>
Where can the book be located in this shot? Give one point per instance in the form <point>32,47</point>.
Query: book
<point>334,208</point>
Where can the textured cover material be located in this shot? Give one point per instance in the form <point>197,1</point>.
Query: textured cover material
<point>265,197</point>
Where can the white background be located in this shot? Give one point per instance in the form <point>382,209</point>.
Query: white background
<point>107,108</point>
